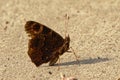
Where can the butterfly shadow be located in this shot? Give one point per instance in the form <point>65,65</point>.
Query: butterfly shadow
<point>85,61</point>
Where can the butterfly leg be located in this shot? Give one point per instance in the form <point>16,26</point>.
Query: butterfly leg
<point>53,61</point>
<point>75,54</point>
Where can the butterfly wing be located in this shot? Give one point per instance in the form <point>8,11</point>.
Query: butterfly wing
<point>43,42</point>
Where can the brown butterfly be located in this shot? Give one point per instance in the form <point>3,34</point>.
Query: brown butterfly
<point>45,44</point>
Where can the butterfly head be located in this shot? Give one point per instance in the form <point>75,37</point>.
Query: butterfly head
<point>66,43</point>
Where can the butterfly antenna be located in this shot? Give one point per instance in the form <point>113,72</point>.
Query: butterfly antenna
<point>66,23</point>
<point>75,55</point>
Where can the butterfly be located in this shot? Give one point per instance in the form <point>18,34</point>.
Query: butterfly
<point>45,45</point>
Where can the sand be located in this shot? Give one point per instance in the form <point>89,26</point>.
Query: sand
<point>94,29</point>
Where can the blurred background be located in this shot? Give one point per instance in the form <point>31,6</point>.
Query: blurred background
<point>94,29</point>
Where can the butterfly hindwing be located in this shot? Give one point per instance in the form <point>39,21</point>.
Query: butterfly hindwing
<point>43,43</point>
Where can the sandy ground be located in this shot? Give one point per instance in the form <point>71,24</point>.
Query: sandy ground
<point>94,28</point>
